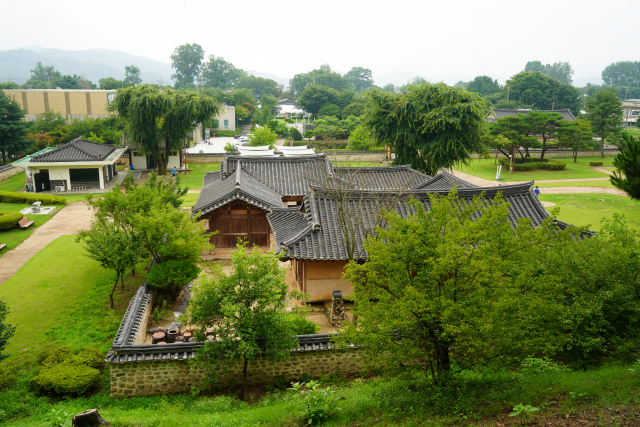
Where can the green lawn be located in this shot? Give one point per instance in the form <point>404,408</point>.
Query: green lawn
<point>587,209</point>
<point>14,183</point>
<point>485,168</point>
<point>16,236</point>
<point>61,296</point>
<point>190,199</point>
<point>193,179</point>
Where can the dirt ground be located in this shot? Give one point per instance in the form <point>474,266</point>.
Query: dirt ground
<point>619,417</point>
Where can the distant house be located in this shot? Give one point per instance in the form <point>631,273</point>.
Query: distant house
<point>497,113</point>
<point>226,120</point>
<point>288,110</point>
<point>630,109</point>
<point>77,165</point>
<point>145,161</point>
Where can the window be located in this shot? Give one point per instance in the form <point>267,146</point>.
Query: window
<point>226,123</point>
<point>634,112</point>
<point>84,175</point>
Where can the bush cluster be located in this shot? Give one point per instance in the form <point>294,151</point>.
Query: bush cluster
<point>596,163</point>
<point>301,326</point>
<point>9,220</point>
<point>65,373</point>
<point>6,378</point>
<point>15,197</point>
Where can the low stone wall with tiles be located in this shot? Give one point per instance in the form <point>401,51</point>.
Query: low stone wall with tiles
<point>6,174</point>
<point>357,156</point>
<point>204,158</point>
<point>142,330</point>
<point>557,154</point>
<point>176,376</point>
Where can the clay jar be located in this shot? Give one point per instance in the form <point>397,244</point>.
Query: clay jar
<point>187,336</point>
<point>171,335</point>
<point>179,339</point>
<point>157,337</point>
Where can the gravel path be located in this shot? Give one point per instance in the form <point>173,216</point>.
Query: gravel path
<point>71,219</point>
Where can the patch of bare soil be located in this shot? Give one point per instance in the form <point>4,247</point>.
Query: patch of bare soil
<point>625,416</point>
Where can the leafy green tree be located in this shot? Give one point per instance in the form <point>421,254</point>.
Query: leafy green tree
<point>436,290</point>
<point>389,88</point>
<point>314,97</point>
<point>360,78</point>
<point>43,77</point>
<point>172,276</point>
<point>131,76</point>
<point>360,139</point>
<point>110,83</point>
<point>415,82</point>
<point>517,130</point>
<point>217,72</point>
<point>542,92</point>
<point>263,136</point>
<point>13,128</point>
<point>242,114</point>
<point>605,114</point>
<point>240,97</point>
<point>462,84</point>
<point>430,126</point>
<point>576,135</point>
<point>295,134</point>
<point>483,85</point>
<point>259,86</point>
<point>6,330</point>
<point>622,73</point>
<point>354,109</point>
<point>67,82</point>
<point>187,59</point>
<point>48,121</point>
<point>627,175</point>
<point>270,103</point>
<point>330,110</point>
<point>322,76</point>
<point>545,125</point>
<point>245,310</point>
<point>112,247</point>
<point>158,121</point>
<point>8,85</point>
<point>560,71</point>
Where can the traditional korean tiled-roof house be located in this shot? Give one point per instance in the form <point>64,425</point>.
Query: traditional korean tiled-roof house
<point>77,165</point>
<point>498,113</point>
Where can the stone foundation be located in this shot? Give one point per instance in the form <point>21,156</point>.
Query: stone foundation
<point>149,378</point>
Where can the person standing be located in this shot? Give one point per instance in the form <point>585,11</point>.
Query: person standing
<point>537,191</point>
<point>173,172</point>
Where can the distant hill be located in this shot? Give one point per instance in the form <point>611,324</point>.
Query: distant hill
<point>15,64</point>
<point>279,80</point>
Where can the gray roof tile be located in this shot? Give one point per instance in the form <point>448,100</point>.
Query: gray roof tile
<point>381,177</point>
<point>566,114</point>
<point>78,150</point>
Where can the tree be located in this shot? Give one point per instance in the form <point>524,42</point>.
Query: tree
<point>48,121</point>
<point>517,130</point>
<point>112,247</point>
<point>270,103</point>
<point>322,76</point>
<point>131,76</point>
<point>172,276</point>
<point>263,136</point>
<point>245,310</point>
<point>159,121</point>
<point>576,135</point>
<point>560,71</point>
<point>6,330</point>
<point>186,59</point>
<point>360,78</point>
<point>360,139</point>
<point>605,114</point>
<point>42,77</point>
<point>217,72</point>
<point>67,82</point>
<point>430,126</point>
<point>110,83</point>
<point>627,175</point>
<point>330,110</point>
<point>415,82</point>
<point>623,73</point>
<point>435,288</point>
<point>314,97</point>
<point>389,88</point>
<point>542,92</point>
<point>13,128</point>
<point>545,125</point>
<point>258,86</point>
<point>8,85</point>
<point>242,113</point>
<point>354,109</point>
<point>483,85</point>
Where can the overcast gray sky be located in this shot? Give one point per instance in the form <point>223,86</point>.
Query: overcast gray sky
<point>435,39</point>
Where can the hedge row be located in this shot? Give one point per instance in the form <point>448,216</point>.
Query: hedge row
<point>531,164</point>
<point>596,163</point>
<point>9,220</point>
<point>14,197</point>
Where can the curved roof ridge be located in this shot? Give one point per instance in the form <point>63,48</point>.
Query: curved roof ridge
<point>299,236</point>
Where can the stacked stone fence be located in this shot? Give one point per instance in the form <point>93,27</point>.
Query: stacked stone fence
<point>357,156</point>
<point>7,173</point>
<point>139,369</point>
<point>554,154</point>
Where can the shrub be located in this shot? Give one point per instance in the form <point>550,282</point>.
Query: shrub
<point>596,163</point>
<point>90,356</point>
<point>319,403</point>
<point>9,220</point>
<point>6,378</point>
<point>65,379</point>
<point>172,276</point>
<point>14,197</point>
<point>553,165</point>
<point>302,326</point>
<point>295,134</point>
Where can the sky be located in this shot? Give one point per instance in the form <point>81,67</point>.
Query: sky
<point>439,40</point>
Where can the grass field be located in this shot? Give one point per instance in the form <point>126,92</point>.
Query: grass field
<point>606,184</point>
<point>587,209</point>
<point>485,168</point>
<point>189,199</point>
<point>14,183</point>
<point>193,179</point>
<point>15,236</point>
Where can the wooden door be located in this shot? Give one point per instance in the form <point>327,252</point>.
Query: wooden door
<point>239,220</point>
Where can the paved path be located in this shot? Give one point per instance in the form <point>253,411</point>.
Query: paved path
<point>71,219</point>
<point>547,190</point>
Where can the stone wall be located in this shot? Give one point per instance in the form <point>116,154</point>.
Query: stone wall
<point>558,154</point>
<point>173,376</point>
<point>6,174</point>
<point>357,156</point>
<point>204,158</point>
